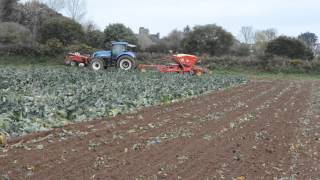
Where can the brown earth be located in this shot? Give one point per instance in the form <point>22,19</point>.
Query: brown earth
<point>262,130</point>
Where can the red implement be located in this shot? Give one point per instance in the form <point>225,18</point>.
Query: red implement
<point>184,63</point>
<point>77,58</point>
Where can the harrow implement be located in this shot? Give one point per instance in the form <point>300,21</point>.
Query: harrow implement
<point>183,64</point>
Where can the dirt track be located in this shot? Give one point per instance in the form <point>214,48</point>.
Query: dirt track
<point>262,130</point>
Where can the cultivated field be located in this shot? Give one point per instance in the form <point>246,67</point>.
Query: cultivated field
<point>43,97</point>
<point>265,129</point>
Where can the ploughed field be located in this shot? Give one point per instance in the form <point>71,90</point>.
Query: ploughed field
<point>264,129</point>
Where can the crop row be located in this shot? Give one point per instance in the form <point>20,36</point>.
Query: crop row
<point>40,98</point>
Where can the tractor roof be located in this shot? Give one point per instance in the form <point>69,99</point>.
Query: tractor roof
<point>123,43</point>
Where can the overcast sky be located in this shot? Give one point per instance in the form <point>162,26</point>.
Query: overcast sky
<point>290,17</point>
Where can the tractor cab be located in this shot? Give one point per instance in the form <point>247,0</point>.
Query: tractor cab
<point>119,56</point>
<point>120,47</point>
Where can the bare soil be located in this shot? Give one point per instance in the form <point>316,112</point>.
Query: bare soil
<point>266,129</point>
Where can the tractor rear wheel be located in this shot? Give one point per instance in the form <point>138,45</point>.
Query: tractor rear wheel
<point>126,63</point>
<point>97,64</point>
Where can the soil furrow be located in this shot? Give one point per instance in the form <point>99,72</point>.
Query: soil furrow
<point>261,130</point>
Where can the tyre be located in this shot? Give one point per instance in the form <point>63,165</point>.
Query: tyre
<point>97,65</point>
<point>67,62</point>
<point>126,63</point>
<point>72,63</point>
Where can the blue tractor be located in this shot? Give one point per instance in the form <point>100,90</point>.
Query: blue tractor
<point>120,56</point>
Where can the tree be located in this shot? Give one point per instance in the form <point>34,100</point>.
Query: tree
<point>14,34</point>
<point>6,9</point>
<point>247,34</point>
<point>270,34</point>
<point>56,5</point>
<point>210,39</point>
<point>160,47</point>
<point>95,38</point>
<point>289,47</point>
<point>76,9</point>
<point>119,32</point>
<point>174,39</point>
<point>262,38</point>
<point>65,30</point>
<point>33,8</point>
<point>186,29</point>
<point>240,49</point>
<point>144,41</point>
<point>33,13</point>
<point>309,39</point>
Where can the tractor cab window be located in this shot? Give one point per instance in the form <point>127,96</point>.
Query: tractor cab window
<point>118,49</point>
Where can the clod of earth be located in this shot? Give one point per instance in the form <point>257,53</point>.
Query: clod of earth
<point>3,140</point>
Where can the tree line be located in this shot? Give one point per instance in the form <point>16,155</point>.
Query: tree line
<point>37,26</point>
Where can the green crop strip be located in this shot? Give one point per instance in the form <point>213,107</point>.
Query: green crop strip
<point>40,98</point>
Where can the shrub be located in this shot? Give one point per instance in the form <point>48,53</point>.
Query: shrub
<point>63,29</point>
<point>81,48</point>
<point>289,47</point>
<point>150,58</point>
<point>54,47</point>
<point>240,49</point>
<point>95,39</point>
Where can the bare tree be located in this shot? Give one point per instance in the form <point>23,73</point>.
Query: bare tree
<point>263,37</point>
<point>56,5</point>
<point>33,9</point>
<point>247,34</point>
<point>76,9</point>
<point>89,26</point>
<point>270,34</point>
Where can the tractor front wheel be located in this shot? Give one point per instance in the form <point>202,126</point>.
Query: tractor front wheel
<point>97,64</point>
<point>126,63</point>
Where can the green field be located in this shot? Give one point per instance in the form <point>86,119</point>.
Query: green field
<point>36,98</point>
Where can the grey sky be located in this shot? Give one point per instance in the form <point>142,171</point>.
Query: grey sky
<point>289,17</point>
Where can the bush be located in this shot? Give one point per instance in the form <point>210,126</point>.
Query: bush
<point>289,47</point>
<point>160,47</point>
<point>53,47</point>
<point>275,64</point>
<point>240,49</point>
<point>208,39</point>
<point>65,30</point>
<point>95,39</point>
<point>81,48</point>
<point>150,58</point>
